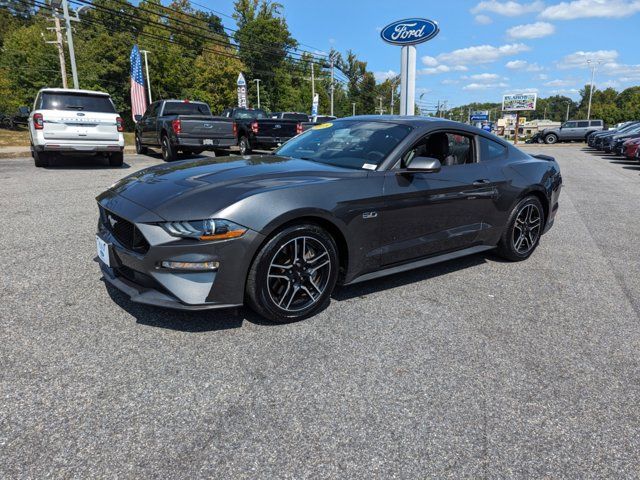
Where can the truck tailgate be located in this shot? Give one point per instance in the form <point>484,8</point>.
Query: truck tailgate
<point>277,128</point>
<point>206,127</point>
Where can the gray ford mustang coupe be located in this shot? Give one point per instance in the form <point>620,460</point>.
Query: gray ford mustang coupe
<point>344,202</point>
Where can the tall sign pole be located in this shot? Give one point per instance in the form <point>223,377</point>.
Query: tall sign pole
<point>408,33</point>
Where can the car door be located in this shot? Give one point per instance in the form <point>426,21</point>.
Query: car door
<point>580,132</point>
<point>149,124</point>
<point>567,131</point>
<point>430,213</point>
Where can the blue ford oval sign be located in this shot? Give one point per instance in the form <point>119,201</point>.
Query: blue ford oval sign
<point>409,31</point>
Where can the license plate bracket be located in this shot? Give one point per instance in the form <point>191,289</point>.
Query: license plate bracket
<point>104,251</point>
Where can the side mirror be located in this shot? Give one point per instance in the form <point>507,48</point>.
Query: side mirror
<point>425,165</point>
<point>137,117</point>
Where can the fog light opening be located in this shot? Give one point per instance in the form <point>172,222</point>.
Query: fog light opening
<point>191,266</point>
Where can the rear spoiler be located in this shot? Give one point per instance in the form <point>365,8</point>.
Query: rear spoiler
<point>548,158</point>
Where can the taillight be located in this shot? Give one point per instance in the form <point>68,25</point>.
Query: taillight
<point>177,126</point>
<point>38,121</point>
<point>235,129</point>
<point>254,127</point>
<point>120,124</point>
<point>298,129</point>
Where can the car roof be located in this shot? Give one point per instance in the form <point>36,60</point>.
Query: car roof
<point>73,90</point>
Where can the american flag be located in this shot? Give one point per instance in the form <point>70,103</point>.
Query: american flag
<point>138,96</point>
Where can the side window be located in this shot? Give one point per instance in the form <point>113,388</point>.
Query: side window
<point>596,123</point>
<point>450,148</point>
<point>569,125</point>
<point>490,150</point>
<point>583,124</point>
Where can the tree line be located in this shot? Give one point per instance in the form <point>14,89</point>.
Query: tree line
<point>193,54</point>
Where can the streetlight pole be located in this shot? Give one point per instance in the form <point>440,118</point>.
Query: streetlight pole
<point>72,53</point>
<point>354,108</point>
<point>568,105</point>
<point>593,73</point>
<point>332,86</point>
<point>146,66</point>
<point>257,80</point>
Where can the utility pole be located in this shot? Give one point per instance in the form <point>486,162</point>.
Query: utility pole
<point>568,105</point>
<point>393,94</point>
<point>59,43</point>
<point>354,108</point>
<point>593,73</point>
<point>257,80</point>
<point>146,66</point>
<point>380,107</point>
<point>313,83</point>
<point>332,59</point>
<point>438,109</point>
<point>72,53</point>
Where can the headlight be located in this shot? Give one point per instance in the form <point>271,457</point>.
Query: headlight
<point>209,229</point>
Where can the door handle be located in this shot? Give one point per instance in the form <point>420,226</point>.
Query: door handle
<point>482,181</point>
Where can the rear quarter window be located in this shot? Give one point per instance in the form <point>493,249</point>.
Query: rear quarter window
<point>583,124</point>
<point>596,123</point>
<point>491,151</point>
<point>78,102</point>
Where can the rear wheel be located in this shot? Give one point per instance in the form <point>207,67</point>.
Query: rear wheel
<point>169,153</point>
<point>551,139</point>
<point>522,235</point>
<point>41,159</point>
<point>116,159</point>
<point>245,146</point>
<point>140,149</point>
<point>293,274</point>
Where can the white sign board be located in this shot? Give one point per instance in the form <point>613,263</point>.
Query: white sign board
<point>518,102</point>
<point>242,91</point>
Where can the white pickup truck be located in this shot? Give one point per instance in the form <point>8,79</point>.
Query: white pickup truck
<point>75,122</point>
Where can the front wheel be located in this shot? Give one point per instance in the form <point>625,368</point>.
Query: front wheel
<point>293,274</point>
<point>116,159</point>
<point>522,235</point>
<point>551,139</point>
<point>245,146</point>
<point>140,149</point>
<point>169,153</point>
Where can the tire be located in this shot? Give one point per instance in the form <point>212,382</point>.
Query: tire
<point>41,159</point>
<point>140,149</point>
<point>510,246</point>
<point>221,153</point>
<point>550,139</point>
<point>245,145</point>
<point>116,159</point>
<point>283,289</point>
<point>169,153</point>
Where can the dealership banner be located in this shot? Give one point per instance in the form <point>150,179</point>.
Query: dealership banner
<point>242,91</point>
<point>514,103</point>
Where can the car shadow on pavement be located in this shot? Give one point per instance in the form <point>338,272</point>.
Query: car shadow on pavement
<point>82,163</point>
<point>185,321</point>
<point>429,272</point>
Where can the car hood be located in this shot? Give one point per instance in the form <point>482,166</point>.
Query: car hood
<point>195,189</point>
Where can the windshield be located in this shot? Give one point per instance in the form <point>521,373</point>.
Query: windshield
<point>186,108</point>
<point>77,102</point>
<point>299,117</point>
<point>241,113</point>
<point>347,143</point>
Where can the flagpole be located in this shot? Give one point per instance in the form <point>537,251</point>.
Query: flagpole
<point>146,67</point>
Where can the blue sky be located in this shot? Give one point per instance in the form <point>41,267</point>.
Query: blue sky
<point>485,48</point>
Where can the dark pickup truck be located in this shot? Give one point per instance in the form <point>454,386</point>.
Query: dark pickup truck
<point>257,130</point>
<point>182,126</point>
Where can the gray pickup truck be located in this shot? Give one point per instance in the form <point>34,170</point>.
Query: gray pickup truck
<point>573,130</point>
<point>182,126</point>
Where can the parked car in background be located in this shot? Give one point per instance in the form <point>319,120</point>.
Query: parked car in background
<point>255,129</point>
<point>21,117</point>
<point>618,141</point>
<point>600,137</point>
<point>609,142</point>
<point>70,121</point>
<point>323,118</point>
<point>631,148</point>
<point>572,130</point>
<point>304,119</point>
<point>183,126</point>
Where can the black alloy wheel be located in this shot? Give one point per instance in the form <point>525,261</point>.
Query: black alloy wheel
<point>524,229</point>
<point>169,153</point>
<point>245,146</point>
<point>140,149</point>
<point>294,274</point>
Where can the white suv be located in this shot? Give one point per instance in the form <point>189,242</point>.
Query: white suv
<point>72,121</point>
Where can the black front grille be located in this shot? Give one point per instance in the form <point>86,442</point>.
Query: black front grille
<point>125,232</point>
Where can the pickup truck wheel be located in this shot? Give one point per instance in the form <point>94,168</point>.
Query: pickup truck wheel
<point>140,150</point>
<point>116,159</point>
<point>169,153</point>
<point>551,138</point>
<point>245,146</point>
<point>41,159</point>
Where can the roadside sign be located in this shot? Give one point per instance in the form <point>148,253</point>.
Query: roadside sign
<point>479,116</point>
<point>242,91</point>
<point>517,102</point>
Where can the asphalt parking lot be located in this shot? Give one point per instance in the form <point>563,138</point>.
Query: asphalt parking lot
<point>474,368</point>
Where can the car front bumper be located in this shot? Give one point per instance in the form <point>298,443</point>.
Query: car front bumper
<point>139,274</point>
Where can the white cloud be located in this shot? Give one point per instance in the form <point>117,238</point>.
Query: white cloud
<point>485,76</point>
<point>428,61</point>
<point>442,69</point>
<point>559,83</point>
<point>382,76</point>
<point>591,8</point>
<point>483,19</point>
<point>484,86</point>
<point>579,59</point>
<point>449,81</point>
<point>481,54</point>
<point>523,90</point>
<point>565,91</point>
<point>543,76</point>
<point>508,9</point>
<point>531,30</point>
<point>626,72</point>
